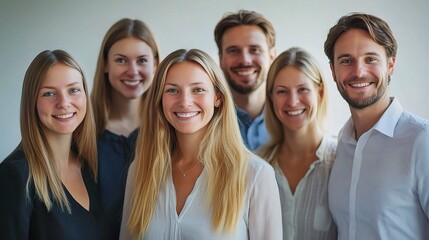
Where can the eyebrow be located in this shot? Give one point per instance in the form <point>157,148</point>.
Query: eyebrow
<point>121,55</point>
<point>176,85</point>
<point>68,85</point>
<point>366,54</point>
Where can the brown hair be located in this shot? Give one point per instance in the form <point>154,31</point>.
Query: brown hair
<point>244,17</point>
<point>377,28</point>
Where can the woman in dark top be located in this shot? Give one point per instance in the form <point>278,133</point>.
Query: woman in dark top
<point>48,184</point>
<point>125,69</point>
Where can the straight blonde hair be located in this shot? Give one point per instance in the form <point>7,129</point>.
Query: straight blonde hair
<point>222,151</point>
<point>43,170</point>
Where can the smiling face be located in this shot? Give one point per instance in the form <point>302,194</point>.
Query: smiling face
<point>130,67</point>
<point>189,98</point>
<point>245,58</point>
<point>361,69</point>
<point>61,100</point>
<point>295,98</point>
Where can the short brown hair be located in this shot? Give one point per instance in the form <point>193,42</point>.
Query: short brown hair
<point>377,28</point>
<point>244,17</point>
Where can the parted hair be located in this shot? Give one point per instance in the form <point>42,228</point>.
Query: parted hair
<point>377,28</point>
<point>302,60</point>
<point>221,152</point>
<point>101,90</point>
<point>244,17</point>
<point>43,170</point>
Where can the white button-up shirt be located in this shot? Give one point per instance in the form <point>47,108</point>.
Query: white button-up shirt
<point>305,214</point>
<point>379,185</point>
<point>260,217</point>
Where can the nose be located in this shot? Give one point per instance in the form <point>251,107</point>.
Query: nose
<point>63,100</point>
<point>133,69</point>
<point>293,98</point>
<point>359,69</point>
<point>185,100</point>
<point>245,58</point>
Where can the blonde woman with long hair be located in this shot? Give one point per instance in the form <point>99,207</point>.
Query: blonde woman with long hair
<point>300,150</point>
<point>193,177</point>
<point>126,65</point>
<point>48,184</point>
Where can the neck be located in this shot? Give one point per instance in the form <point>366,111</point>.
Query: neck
<point>61,149</point>
<point>252,103</point>
<point>303,141</point>
<point>188,147</point>
<point>124,115</point>
<point>364,119</point>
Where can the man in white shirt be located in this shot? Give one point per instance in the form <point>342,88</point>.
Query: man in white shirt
<point>379,184</point>
<point>246,44</point>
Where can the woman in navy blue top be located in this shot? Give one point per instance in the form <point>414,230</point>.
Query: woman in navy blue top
<point>126,65</point>
<point>48,184</point>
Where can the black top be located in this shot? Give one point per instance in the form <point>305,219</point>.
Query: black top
<point>115,154</point>
<point>25,216</point>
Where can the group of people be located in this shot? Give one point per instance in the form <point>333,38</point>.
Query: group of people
<point>185,149</point>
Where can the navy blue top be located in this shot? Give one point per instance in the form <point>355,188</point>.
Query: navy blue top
<point>115,154</point>
<point>25,216</point>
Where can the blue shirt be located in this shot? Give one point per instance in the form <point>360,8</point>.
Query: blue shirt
<point>115,154</point>
<point>254,133</point>
<point>379,184</point>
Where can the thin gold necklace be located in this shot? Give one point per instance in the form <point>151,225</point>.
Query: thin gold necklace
<point>186,172</point>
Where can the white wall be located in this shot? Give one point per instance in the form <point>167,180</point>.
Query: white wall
<point>28,27</point>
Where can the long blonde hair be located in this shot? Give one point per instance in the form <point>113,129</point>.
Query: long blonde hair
<point>302,60</point>
<point>43,170</point>
<point>222,151</point>
<point>101,91</point>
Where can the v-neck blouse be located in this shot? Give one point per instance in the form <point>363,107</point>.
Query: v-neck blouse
<point>260,217</point>
<point>25,216</point>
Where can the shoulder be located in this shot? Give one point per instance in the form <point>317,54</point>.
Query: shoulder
<point>15,165</point>
<point>258,168</point>
<point>327,149</point>
<point>410,125</point>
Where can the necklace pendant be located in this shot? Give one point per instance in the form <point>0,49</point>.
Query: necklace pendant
<point>184,175</point>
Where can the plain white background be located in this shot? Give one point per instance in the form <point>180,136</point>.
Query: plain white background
<point>28,27</point>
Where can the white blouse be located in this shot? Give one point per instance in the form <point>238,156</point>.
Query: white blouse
<point>260,217</point>
<point>305,214</point>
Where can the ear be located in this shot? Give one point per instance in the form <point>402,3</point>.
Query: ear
<point>218,99</point>
<point>331,65</point>
<point>391,65</point>
<point>272,54</point>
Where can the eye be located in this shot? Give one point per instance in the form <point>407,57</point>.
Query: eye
<point>48,94</point>
<point>256,50</point>
<point>142,61</point>
<point>372,59</point>
<point>199,90</point>
<point>232,51</point>
<point>345,61</point>
<point>171,91</point>
<point>120,60</point>
<point>74,90</point>
<point>303,90</point>
<point>280,91</point>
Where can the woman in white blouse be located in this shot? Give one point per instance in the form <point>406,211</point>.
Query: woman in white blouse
<point>300,152</point>
<point>192,177</point>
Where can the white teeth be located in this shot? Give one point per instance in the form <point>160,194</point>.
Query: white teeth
<point>245,73</point>
<point>360,84</point>
<point>294,113</point>
<point>68,115</point>
<point>131,83</point>
<point>187,115</point>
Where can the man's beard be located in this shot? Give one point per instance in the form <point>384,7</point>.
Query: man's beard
<point>359,103</point>
<point>244,89</point>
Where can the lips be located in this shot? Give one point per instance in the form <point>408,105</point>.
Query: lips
<point>64,116</point>
<point>360,85</point>
<point>187,114</point>
<point>295,112</point>
<point>131,83</point>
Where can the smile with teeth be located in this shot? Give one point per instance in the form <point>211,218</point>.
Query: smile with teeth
<point>295,113</point>
<point>359,85</point>
<point>64,116</point>
<point>187,114</point>
<point>131,83</point>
